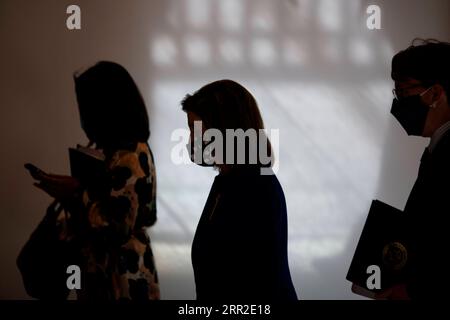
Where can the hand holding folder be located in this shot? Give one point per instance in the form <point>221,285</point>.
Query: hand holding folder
<point>384,243</point>
<point>87,165</point>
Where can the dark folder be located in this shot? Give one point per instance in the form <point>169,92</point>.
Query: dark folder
<point>87,165</point>
<point>383,243</point>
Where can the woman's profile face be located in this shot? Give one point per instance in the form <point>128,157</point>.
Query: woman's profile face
<point>192,118</point>
<point>196,144</point>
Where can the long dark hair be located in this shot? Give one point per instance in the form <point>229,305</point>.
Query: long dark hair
<point>112,110</point>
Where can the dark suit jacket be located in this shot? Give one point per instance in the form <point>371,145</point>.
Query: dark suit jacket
<point>239,250</point>
<point>427,212</point>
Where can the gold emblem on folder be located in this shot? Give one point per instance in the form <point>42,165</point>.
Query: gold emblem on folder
<point>395,256</point>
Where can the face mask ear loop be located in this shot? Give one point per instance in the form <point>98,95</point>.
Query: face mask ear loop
<point>433,105</point>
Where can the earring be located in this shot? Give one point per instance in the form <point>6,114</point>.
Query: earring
<point>433,105</point>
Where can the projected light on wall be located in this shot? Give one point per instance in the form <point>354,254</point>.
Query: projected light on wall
<point>317,78</point>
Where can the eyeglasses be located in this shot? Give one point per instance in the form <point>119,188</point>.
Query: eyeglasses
<point>399,94</point>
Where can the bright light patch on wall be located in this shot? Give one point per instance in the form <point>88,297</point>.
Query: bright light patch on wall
<point>359,52</point>
<point>231,14</point>
<point>198,50</point>
<point>164,51</point>
<point>293,53</point>
<point>328,185</point>
<point>329,15</point>
<point>198,13</point>
<point>173,14</point>
<point>263,18</point>
<point>303,12</point>
<point>387,51</point>
<point>231,51</point>
<point>331,50</point>
<point>307,251</point>
<point>263,52</point>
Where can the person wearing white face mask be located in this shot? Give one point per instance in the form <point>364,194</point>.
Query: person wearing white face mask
<point>240,247</point>
<point>422,87</point>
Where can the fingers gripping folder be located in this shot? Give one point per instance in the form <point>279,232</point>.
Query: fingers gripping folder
<point>384,252</point>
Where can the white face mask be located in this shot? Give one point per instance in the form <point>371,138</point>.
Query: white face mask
<point>200,153</point>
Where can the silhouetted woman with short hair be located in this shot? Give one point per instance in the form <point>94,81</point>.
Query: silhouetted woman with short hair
<point>239,250</point>
<point>104,214</point>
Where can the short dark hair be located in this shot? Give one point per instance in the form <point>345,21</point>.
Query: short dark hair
<point>225,104</point>
<point>426,61</point>
<point>112,110</point>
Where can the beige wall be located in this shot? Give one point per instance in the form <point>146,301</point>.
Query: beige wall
<point>39,118</point>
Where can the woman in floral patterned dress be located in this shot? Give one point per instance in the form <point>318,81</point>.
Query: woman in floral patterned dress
<point>99,221</point>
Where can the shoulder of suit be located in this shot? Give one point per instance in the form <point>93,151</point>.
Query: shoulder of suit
<point>442,149</point>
